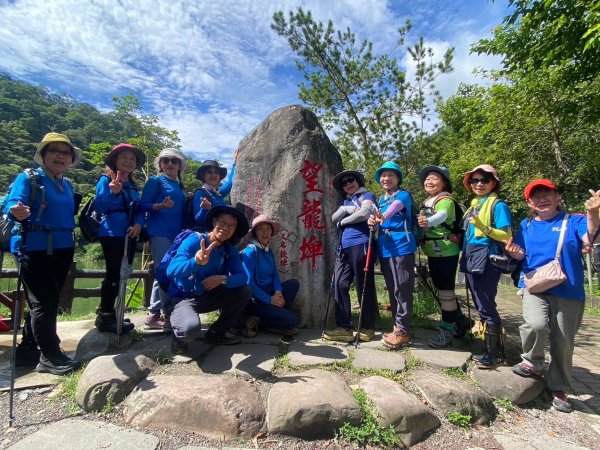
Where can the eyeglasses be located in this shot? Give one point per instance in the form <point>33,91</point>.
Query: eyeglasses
<point>226,225</point>
<point>479,180</point>
<point>348,180</point>
<point>170,160</point>
<point>64,153</point>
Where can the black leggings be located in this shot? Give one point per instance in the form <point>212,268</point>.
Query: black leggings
<point>43,277</point>
<point>113,247</point>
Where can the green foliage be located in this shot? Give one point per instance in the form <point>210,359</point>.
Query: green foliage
<point>369,432</point>
<point>455,372</point>
<point>592,311</point>
<point>411,360</point>
<point>163,357</point>
<point>66,390</point>
<point>505,403</point>
<point>376,113</point>
<point>460,420</point>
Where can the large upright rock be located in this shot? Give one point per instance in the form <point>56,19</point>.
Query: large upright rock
<point>284,169</point>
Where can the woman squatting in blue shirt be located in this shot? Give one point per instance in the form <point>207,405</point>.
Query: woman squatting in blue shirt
<point>115,192</point>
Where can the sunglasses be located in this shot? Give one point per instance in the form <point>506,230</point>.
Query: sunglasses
<point>485,180</point>
<point>170,160</point>
<point>348,180</point>
<point>64,153</point>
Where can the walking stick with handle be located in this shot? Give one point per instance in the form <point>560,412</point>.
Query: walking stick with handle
<point>367,263</point>
<point>331,285</point>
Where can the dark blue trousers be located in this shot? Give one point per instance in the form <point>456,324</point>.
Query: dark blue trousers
<point>274,316</point>
<point>484,288</point>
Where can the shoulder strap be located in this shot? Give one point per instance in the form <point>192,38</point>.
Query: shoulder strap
<point>561,238</point>
<point>36,186</point>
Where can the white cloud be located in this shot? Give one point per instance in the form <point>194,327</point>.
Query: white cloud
<point>210,69</point>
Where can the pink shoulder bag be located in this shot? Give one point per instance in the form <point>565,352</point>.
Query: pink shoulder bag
<point>549,275</point>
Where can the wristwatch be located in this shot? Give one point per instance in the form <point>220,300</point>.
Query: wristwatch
<point>224,279</point>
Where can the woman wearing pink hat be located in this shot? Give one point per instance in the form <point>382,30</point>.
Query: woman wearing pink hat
<point>272,299</point>
<point>556,310</point>
<point>489,223</point>
<point>115,192</point>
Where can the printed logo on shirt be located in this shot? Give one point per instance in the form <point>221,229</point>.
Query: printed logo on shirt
<point>556,229</point>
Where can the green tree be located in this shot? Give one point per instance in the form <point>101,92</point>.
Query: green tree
<point>375,111</point>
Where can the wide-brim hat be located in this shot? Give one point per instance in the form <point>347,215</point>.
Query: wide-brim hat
<point>263,218</point>
<point>337,180</point>
<point>56,137</point>
<point>390,165</point>
<point>538,183</point>
<point>170,153</point>
<point>242,223</point>
<point>140,156</point>
<point>210,163</point>
<point>443,171</point>
<point>487,168</point>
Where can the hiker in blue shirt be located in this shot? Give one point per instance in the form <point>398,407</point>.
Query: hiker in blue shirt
<point>553,311</point>
<point>115,192</point>
<point>397,246</point>
<point>163,198</point>
<point>212,193</point>
<point>46,250</point>
<point>489,224</point>
<point>207,275</point>
<point>351,258</point>
<point>272,299</point>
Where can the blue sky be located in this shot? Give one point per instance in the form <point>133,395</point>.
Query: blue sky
<point>213,69</point>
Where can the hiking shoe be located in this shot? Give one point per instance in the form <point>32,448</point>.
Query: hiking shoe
<point>526,370</point>
<point>285,331</point>
<point>107,323</point>
<point>385,335</point>
<point>251,326</point>
<point>27,355</point>
<point>461,326</point>
<point>443,339</point>
<point>366,335</point>
<point>561,402</point>
<point>339,334</point>
<point>178,347</point>
<point>396,340</point>
<point>211,337</point>
<point>153,321</point>
<point>57,364</point>
<point>488,362</point>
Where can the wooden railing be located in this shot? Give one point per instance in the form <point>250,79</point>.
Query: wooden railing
<point>69,291</point>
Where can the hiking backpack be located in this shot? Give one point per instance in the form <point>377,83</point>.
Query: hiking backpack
<point>457,231</point>
<point>411,222</point>
<point>160,271</point>
<point>10,227</point>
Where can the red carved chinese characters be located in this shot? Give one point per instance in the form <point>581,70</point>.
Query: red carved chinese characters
<point>312,214</point>
<point>310,172</point>
<point>310,249</point>
<point>283,254</point>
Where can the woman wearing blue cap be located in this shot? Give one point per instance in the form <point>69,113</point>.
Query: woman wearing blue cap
<point>397,246</point>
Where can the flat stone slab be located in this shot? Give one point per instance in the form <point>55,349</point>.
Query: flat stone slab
<point>76,434</point>
<point>448,358</point>
<point>450,395</point>
<point>252,360</point>
<point>367,358</point>
<point>503,383</point>
<point>312,335</point>
<point>311,405</point>
<point>25,378</point>
<point>94,343</point>
<point>214,406</point>
<point>402,410</point>
<point>303,354</point>
<point>535,442</point>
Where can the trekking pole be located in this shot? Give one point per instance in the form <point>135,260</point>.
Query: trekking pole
<point>331,285</point>
<point>367,263</point>
<point>16,323</point>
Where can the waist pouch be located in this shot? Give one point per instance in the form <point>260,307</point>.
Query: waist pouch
<point>474,259</point>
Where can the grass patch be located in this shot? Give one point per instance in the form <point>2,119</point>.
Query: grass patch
<point>592,311</point>
<point>163,357</point>
<point>505,403</point>
<point>411,360</point>
<point>455,372</point>
<point>67,317</point>
<point>66,390</point>
<point>462,421</point>
<point>369,432</point>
